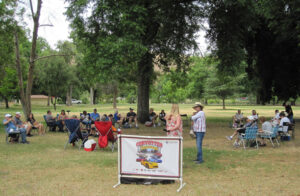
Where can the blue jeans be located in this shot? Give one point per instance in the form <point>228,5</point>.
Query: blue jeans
<point>22,132</point>
<point>199,138</point>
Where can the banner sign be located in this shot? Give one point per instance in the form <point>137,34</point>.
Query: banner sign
<point>150,156</point>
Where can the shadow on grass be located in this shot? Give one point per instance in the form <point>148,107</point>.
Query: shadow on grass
<point>216,160</point>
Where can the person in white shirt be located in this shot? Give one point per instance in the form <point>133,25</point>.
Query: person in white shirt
<point>237,119</point>
<point>254,115</point>
<point>284,122</point>
<point>266,129</point>
<point>275,119</point>
<point>199,127</point>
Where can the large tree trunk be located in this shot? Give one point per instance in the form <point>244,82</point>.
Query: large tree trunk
<point>69,96</point>
<point>115,94</point>
<point>145,68</point>
<point>223,101</point>
<point>48,102</point>
<point>54,102</point>
<point>26,95</point>
<point>6,103</point>
<point>91,96</point>
<point>20,75</point>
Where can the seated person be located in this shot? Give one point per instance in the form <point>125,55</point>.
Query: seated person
<point>289,111</point>
<point>20,124</point>
<point>111,118</point>
<point>284,123</point>
<point>161,116</point>
<point>251,122</point>
<point>10,126</point>
<point>118,118</point>
<point>85,119</point>
<point>36,124</point>
<point>95,116</point>
<point>254,115</point>
<point>51,121</point>
<point>104,118</point>
<point>132,117</point>
<point>275,119</point>
<point>61,120</point>
<point>237,119</point>
<point>266,129</point>
<point>152,116</point>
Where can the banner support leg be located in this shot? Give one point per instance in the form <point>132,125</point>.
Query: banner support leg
<point>181,185</point>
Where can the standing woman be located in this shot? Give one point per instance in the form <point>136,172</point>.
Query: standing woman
<point>36,124</point>
<point>174,122</point>
<point>199,128</point>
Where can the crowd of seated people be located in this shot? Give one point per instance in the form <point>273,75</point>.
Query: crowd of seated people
<point>281,120</point>
<point>57,121</point>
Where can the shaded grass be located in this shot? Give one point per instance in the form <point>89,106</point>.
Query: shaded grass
<point>45,168</point>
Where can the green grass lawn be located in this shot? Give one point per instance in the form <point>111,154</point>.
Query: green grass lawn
<point>44,168</point>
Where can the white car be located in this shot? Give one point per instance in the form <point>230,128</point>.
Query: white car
<point>75,101</point>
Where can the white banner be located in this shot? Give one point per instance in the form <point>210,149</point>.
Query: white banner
<point>150,156</point>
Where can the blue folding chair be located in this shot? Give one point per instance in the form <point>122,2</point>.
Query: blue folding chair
<point>271,136</point>
<point>74,132</point>
<point>249,135</point>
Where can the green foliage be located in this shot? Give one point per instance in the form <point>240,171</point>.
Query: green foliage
<point>265,34</point>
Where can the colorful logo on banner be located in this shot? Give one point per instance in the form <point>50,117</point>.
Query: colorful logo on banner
<point>149,153</point>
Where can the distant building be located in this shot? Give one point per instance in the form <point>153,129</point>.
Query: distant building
<point>39,99</point>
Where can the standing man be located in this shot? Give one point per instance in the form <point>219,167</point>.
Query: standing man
<point>199,128</point>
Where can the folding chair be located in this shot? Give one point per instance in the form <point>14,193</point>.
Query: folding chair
<point>48,124</point>
<point>12,134</point>
<point>249,135</point>
<point>74,132</point>
<point>104,128</point>
<point>271,136</point>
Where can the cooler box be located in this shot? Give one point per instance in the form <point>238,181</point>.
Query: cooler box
<point>90,145</point>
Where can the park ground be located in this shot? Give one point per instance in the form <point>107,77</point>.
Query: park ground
<point>44,168</point>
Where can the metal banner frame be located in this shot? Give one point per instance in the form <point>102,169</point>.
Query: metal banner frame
<point>180,177</point>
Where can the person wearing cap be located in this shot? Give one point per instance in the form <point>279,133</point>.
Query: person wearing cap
<point>9,124</point>
<point>131,117</point>
<point>20,124</point>
<point>199,127</point>
<point>251,122</point>
<point>95,116</point>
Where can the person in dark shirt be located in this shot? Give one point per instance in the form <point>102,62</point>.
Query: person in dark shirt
<point>132,117</point>
<point>152,116</point>
<point>289,111</point>
<point>161,116</point>
<point>36,124</point>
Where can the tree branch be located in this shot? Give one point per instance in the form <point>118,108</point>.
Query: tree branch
<point>31,8</point>
<point>48,56</point>
<point>46,25</point>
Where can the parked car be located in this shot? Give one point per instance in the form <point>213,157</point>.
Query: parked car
<point>75,101</point>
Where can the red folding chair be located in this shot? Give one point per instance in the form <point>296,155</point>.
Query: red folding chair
<point>104,128</point>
